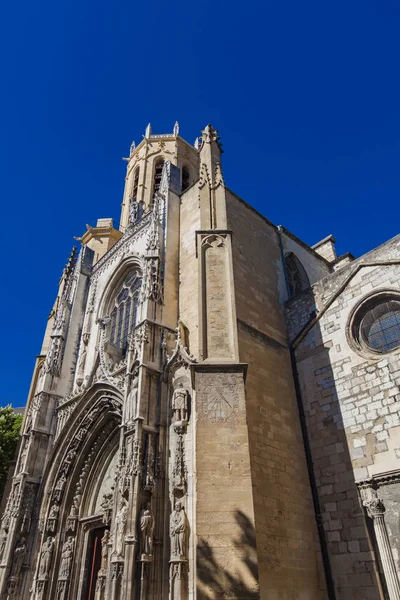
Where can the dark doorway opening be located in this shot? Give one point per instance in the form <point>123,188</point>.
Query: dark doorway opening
<point>92,563</point>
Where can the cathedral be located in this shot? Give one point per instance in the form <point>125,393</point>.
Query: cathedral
<point>215,409</point>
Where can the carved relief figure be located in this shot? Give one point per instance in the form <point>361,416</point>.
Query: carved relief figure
<point>106,505</point>
<point>68,460</point>
<point>54,510</point>
<point>45,557</point>
<point>3,539</point>
<point>180,404</point>
<point>121,519</point>
<point>178,529</point>
<point>146,531</point>
<point>104,551</point>
<point>18,558</point>
<point>131,401</point>
<point>66,557</point>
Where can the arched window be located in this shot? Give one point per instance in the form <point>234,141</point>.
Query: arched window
<point>297,276</point>
<point>124,312</point>
<point>185,178</point>
<point>135,184</point>
<point>158,174</point>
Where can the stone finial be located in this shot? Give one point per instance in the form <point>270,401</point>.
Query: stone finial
<point>132,148</point>
<point>196,143</point>
<point>147,133</point>
<point>209,135</point>
<point>176,129</point>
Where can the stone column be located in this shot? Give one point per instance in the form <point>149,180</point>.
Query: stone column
<point>376,511</point>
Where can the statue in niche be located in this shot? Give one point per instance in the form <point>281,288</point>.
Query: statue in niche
<point>68,460</point>
<point>18,558</point>
<point>146,531</point>
<point>54,510</point>
<point>104,551</point>
<point>121,520</point>
<point>131,401</point>
<point>45,557</point>
<point>180,404</point>
<point>178,529</point>
<point>75,507</point>
<point>67,553</point>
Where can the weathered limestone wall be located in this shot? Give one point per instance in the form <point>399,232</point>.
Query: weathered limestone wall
<point>226,552</point>
<point>352,406</point>
<point>287,547</point>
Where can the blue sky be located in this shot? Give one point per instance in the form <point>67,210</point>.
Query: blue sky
<point>305,96</point>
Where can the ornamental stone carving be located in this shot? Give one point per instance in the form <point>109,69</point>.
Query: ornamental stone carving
<point>179,471</point>
<point>146,533</point>
<point>132,401</point>
<point>45,557</point>
<point>104,551</point>
<point>178,531</point>
<point>67,554</point>
<point>18,558</point>
<point>120,521</point>
<point>107,506</point>
<point>59,487</point>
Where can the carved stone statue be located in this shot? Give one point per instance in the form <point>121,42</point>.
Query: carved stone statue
<point>67,553</point>
<point>178,529</point>
<point>68,460</point>
<point>45,557</point>
<point>18,558</point>
<point>54,510</point>
<point>133,211</point>
<point>146,531</point>
<point>75,507</point>
<point>180,404</point>
<point>60,486</point>
<point>104,551</point>
<point>106,504</point>
<point>131,401</point>
<point>121,519</point>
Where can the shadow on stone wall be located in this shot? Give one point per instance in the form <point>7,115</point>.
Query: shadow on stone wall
<point>216,581</point>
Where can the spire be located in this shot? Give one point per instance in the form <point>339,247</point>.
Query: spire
<point>147,133</point>
<point>132,149</point>
<point>176,129</point>
<point>196,143</point>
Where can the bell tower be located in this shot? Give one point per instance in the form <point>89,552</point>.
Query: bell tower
<point>144,170</point>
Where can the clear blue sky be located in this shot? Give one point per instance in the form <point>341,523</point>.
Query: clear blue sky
<point>305,96</point>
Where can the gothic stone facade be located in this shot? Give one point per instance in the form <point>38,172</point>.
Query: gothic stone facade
<point>210,415</point>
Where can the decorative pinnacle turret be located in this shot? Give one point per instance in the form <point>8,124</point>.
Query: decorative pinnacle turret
<point>132,149</point>
<point>71,262</point>
<point>176,129</point>
<point>147,133</point>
